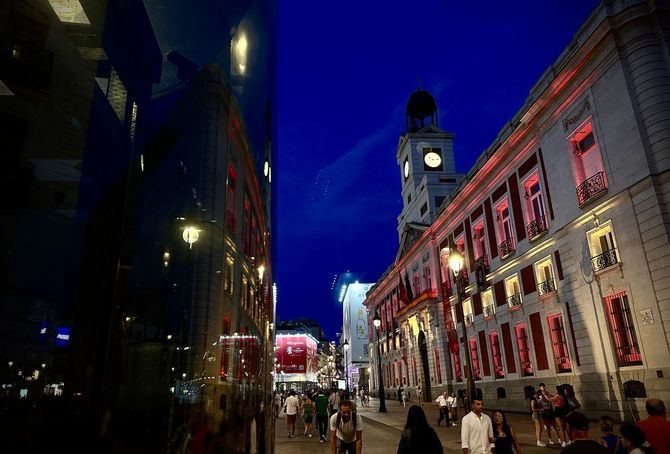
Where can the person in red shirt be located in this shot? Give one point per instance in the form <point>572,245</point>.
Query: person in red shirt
<point>656,427</point>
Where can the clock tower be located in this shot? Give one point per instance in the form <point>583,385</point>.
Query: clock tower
<point>426,159</point>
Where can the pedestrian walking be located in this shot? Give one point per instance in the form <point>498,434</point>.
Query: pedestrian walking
<point>609,439</point>
<point>308,411</point>
<point>361,393</point>
<point>536,417</point>
<point>656,427</point>
<point>578,426</point>
<point>346,431</point>
<point>560,407</point>
<point>419,394</point>
<point>291,407</point>
<point>476,429</point>
<point>548,419</point>
<point>277,404</point>
<point>418,436</point>
<point>333,402</point>
<point>403,397</point>
<point>400,394</point>
<point>633,439</point>
<point>322,415</point>
<point>505,439</point>
<point>452,402</point>
<point>444,408</point>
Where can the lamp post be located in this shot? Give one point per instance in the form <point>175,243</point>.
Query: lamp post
<point>455,262</point>
<point>345,344</point>
<point>376,321</point>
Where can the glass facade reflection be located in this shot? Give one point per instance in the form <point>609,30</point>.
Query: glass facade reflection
<point>135,223</point>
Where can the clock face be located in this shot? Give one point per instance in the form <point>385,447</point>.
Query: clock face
<point>432,159</point>
<point>406,168</point>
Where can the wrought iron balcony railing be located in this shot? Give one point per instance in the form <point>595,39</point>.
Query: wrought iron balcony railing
<point>514,301</point>
<point>489,311</point>
<point>547,286</point>
<point>604,260</point>
<point>506,248</point>
<point>591,188</point>
<point>469,319</point>
<point>24,63</point>
<point>536,227</point>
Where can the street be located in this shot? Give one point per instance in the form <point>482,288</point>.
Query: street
<point>381,431</point>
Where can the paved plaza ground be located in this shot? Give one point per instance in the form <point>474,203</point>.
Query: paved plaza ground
<point>381,432</point>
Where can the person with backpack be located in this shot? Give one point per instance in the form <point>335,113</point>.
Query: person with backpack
<point>346,430</point>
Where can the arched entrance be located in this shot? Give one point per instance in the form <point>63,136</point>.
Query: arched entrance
<point>423,350</point>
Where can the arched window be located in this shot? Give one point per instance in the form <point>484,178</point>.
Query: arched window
<point>528,391</point>
<point>634,389</point>
<point>501,393</point>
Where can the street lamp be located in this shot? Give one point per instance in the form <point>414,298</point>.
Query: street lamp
<point>382,400</point>
<point>455,261</point>
<point>345,344</point>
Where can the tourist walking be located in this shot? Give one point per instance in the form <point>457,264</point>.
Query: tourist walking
<point>333,402</point>
<point>504,438</point>
<point>656,427</point>
<point>444,408</point>
<point>418,394</point>
<point>476,429</point>
<point>346,431</point>
<point>322,415</point>
<point>418,436</point>
<point>452,402</point>
<point>308,411</point>
<point>403,397</point>
<point>291,407</point>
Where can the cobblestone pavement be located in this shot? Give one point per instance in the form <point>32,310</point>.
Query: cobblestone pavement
<point>381,432</point>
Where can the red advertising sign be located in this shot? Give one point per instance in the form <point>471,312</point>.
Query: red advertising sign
<point>296,354</point>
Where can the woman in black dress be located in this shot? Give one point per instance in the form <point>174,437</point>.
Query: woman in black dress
<point>418,436</point>
<point>504,436</point>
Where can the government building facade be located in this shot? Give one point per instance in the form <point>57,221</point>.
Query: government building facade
<point>563,224</point>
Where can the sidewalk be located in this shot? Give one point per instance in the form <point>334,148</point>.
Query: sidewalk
<point>395,417</point>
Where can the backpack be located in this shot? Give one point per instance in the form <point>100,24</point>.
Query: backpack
<point>339,419</point>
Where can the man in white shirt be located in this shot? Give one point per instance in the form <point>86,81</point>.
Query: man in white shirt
<point>476,430</point>
<point>292,405</point>
<point>346,431</point>
<point>333,401</point>
<point>442,404</point>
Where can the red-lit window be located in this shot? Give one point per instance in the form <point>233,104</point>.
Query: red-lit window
<point>460,245</point>
<point>231,222</point>
<point>586,154</point>
<point>559,343</point>
<point>438,370</point>
<point>479,240</point>
<point>474,357</point>
<point>427,283</point>
<point>623,330</point>
<point>457,366</point>
<point>534,200</point>
<point>498,370</point>
<point>417,285</point>
<point>524,350</point>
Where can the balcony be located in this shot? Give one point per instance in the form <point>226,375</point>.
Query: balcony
<point>24,64</point>
<point>489,312</point>
<point>604,260</point>
<point>547,287</point>
<point>536,228</point>
<point>514,301</point>
<point>591,188</point>
<point>506,248</point>
<point>468,319</point>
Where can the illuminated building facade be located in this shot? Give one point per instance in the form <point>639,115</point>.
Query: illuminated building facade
<point>562,223</point>
<point>355,333</point>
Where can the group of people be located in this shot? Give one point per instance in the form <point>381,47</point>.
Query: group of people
<point>333,412</point>
<point>404,395</point>
<point>549,411</point>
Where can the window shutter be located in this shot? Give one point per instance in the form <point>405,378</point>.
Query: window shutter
<point>490,228</point>
<point>485,354</point>
<point>509,350</point>
<point>516,209</point>
<point>559,267</point>
<point>477,303</point>
<point>528,280</point>
<point>499,290</point>
<point>538,341</point>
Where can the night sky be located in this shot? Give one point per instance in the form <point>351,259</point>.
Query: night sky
<point>345,71</point>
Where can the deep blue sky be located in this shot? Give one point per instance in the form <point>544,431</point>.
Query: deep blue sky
<point>345,71</point>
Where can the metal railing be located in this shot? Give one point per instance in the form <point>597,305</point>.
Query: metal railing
<point>591,188</point>
<point>506,248</point>
<point>489,311</point>
<point>536,227</point>
<point>514,301</point>
<point>604,260</point>
<point>483,261</point>
<point>547,286</point>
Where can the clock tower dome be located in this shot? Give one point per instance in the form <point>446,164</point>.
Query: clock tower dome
<point>426,159</point>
